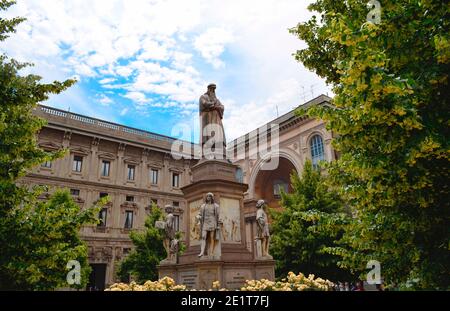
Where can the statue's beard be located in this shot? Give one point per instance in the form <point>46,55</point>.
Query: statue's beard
<point>212,95</point>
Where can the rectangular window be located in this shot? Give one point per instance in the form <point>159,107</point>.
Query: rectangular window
<point>47,164</point>
<point>77,164</point>
<point>103,195</point>
<point>128,220</point>
<point>176,204</point>
<point>131,171</point>
<point>129,198</point>
<point>106,165</point>
<point>102,217</point>
<point>75,192</point>
<point>154,176</point>
<point>175,180</point>
<point>176,220</point>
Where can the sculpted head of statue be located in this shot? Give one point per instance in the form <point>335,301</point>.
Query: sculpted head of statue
<point>211,90</point>
<point>260,203</point>
<point>168,209</point>
<point>209,197</point>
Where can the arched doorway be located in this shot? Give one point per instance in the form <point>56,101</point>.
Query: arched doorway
<point>268,183</point>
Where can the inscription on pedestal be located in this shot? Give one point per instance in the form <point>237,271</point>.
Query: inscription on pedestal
<point>189,279</point>
<point>236,279</point>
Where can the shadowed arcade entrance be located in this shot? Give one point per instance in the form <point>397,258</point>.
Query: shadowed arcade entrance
<point>268,184</point>
<point>97,278</point>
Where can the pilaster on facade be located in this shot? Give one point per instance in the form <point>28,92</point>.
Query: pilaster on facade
<point>120,165</point>
<point>144,174</point>
<point>166,185</point>
<point>65,163</point>
<point>94,161</point>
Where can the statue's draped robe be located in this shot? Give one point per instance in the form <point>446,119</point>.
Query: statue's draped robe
<point>263,224</point>
<point>170,227</point>
<point>209,219</point>
<point>211,112</point>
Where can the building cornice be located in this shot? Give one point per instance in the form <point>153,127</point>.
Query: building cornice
<point>60,180</point>
<point>79,124</point>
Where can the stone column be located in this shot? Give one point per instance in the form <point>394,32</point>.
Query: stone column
<point>120,166</point>
<point>186,176</point>
<point>145,175</point>
<point>66,161</point>
<point>166,183</point>
<point>94,163</point>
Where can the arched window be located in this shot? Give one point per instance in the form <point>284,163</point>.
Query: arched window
<point>317,151</point>
<point>278,186</point>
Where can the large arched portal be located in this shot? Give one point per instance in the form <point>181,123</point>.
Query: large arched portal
<point>268,183</point>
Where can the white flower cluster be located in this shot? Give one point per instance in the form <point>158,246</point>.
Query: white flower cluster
<point>293,282</point>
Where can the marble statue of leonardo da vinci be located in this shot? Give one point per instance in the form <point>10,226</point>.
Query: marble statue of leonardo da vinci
<point>212,136</point>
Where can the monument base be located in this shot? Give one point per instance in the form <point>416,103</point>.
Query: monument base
<point>168,262</point>
<point>201,274</point>
<point>234,262</point>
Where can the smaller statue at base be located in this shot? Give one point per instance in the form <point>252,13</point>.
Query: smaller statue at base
<point>209,228</point>
<point>262,232</point>
<point>171,244</point>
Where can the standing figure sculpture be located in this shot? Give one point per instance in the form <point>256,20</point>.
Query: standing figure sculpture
<point>262,231</point>
<point>212,136</point>
<point>209,227</point>
<point>170,242</point>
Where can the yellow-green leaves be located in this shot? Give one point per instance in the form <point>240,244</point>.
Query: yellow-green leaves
<point>391,126</point>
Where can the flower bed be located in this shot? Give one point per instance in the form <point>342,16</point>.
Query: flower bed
<point>293,282</point>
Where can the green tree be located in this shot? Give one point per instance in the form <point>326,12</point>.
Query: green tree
<point>147,253</point>
<point>311,220</point>
<point>390,115</point>
<point>46,239</point>
<point>37,239</point>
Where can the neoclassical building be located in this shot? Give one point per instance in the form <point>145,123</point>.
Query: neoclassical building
<point>136,168</point>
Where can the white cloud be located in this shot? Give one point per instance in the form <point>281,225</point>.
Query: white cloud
<point>124,111</point>
<point>237,115</point>
<point>107,80</point>
<point>166,48</point>
<point>211,44</point>
<point>137,97</point>
<point>105,100</point>
<point>123,71</point>
<point>152,50</point>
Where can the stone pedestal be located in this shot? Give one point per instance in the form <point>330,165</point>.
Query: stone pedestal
<point>258,250</point>
<point>231,275</point>
<point>235,263</point>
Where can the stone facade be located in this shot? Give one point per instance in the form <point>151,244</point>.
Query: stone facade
<point>108,158</point>
<point>131,156</point>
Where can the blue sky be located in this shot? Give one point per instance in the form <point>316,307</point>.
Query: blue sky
<point>145,63</point>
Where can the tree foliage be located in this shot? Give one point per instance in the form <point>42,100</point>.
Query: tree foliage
<point>43,238</point>
<point>148,251</point>
<point>311,221</point>
<point>37,238</point>
<point>391,117</point>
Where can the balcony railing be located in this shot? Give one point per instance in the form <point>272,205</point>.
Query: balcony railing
<point>104,124</point>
